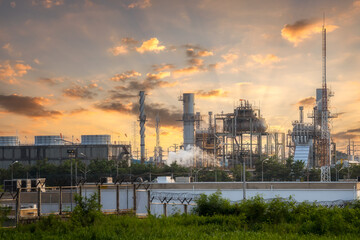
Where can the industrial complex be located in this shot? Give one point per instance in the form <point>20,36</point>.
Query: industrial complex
<point>238,137</point>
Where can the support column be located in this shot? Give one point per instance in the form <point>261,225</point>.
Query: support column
<point>99,194</point>
<point>149,201</point>
<point>117,198</point>
<point>185,209</point>
<point>39,202</point>
<point>165,209</point>
<point>18,206</point>
<point>134,198</point>
<point>60,200</point>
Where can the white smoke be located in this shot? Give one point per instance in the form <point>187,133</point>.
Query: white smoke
<point>187,157</point>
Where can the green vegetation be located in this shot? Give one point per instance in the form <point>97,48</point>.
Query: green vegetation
<point>272,168</point>
<point>213,218</point>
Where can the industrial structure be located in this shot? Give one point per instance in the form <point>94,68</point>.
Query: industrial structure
<point>142,120</point>
<point>236,138</point>
<point>158,152</point>
<point>56,149</point>
<point>188,119</point>
<point>311,142</point>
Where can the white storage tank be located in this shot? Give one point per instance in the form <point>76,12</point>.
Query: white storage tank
<point>9,141</point>
<point>95,139</point>
<point>48,140</point>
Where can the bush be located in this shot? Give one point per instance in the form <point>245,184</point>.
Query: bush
<point>87,210</point>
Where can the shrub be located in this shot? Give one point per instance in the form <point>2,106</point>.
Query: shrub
<point>87,210</point>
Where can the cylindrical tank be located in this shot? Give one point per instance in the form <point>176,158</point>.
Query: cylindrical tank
<point>188,119</point>
<point>95,139</point>
<point>48,140</point>
<point>9,141</point>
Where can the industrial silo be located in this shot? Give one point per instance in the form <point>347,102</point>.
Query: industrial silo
<point>95,139</point>
<point>9,141</point>
<point>48,140</point>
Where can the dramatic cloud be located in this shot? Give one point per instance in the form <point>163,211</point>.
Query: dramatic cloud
<point>140,4</point>
<point>28,106</point>
<point>303,29</point>
<point>125,76</point>
<point>85,92</point>
<point>9,72</point>
<point>265,59</point>
<point>47,3</point>
<point>151,45</point>
<point>307,102</point>
<point>129,44</point>
<point>211,93</point>
<point>168,118</point>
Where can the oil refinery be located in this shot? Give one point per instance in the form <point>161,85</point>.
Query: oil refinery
<point>224,140</point>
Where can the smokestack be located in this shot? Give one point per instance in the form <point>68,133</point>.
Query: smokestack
<point>210,121</point>
<point>301,108</point>
<point>142,119</point>
<point>188,119</point>
<point>197,119</point>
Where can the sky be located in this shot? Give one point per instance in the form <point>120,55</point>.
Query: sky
<point>76,66</point>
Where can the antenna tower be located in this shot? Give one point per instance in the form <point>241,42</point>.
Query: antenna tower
<point>325,133</point>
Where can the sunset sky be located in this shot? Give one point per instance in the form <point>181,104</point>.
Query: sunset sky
<point>76,66</point>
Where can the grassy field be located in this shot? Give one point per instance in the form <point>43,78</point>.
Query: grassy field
<point>213,218</point>
<point>177,227</point>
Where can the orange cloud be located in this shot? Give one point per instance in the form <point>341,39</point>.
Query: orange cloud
<point>229,58</point>
<point>162,67</point>
<point>187,70</point>
<point>157,76</point>
<point>140,4</point>
<point>9,72</point>
<point>47,3</point>
<point>119,50</point>
<point>265,59</point>
<point>151,45</point>
<point>125,76</point>
<point>211,93</point>
<point>85,92</point>
<point>303,29</point>
<point>307,102</point>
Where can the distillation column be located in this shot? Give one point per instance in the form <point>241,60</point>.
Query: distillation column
<point>142,120</point>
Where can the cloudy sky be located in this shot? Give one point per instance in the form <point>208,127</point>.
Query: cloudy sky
<point>76,66</point>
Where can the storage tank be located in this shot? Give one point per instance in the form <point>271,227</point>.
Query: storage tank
<point>9,141</point>
<point>95,139</point>
<point>48,140</point>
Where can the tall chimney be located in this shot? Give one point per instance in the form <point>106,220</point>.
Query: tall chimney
<point>301,108</point>
<point>188,119</point>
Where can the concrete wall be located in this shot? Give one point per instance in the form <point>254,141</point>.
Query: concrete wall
<point>56,154</point>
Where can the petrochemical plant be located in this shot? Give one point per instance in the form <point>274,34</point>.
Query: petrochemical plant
<point>229,139</point>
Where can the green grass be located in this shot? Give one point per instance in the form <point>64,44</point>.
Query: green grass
<point>177,227</point>
<point>213,218</point>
